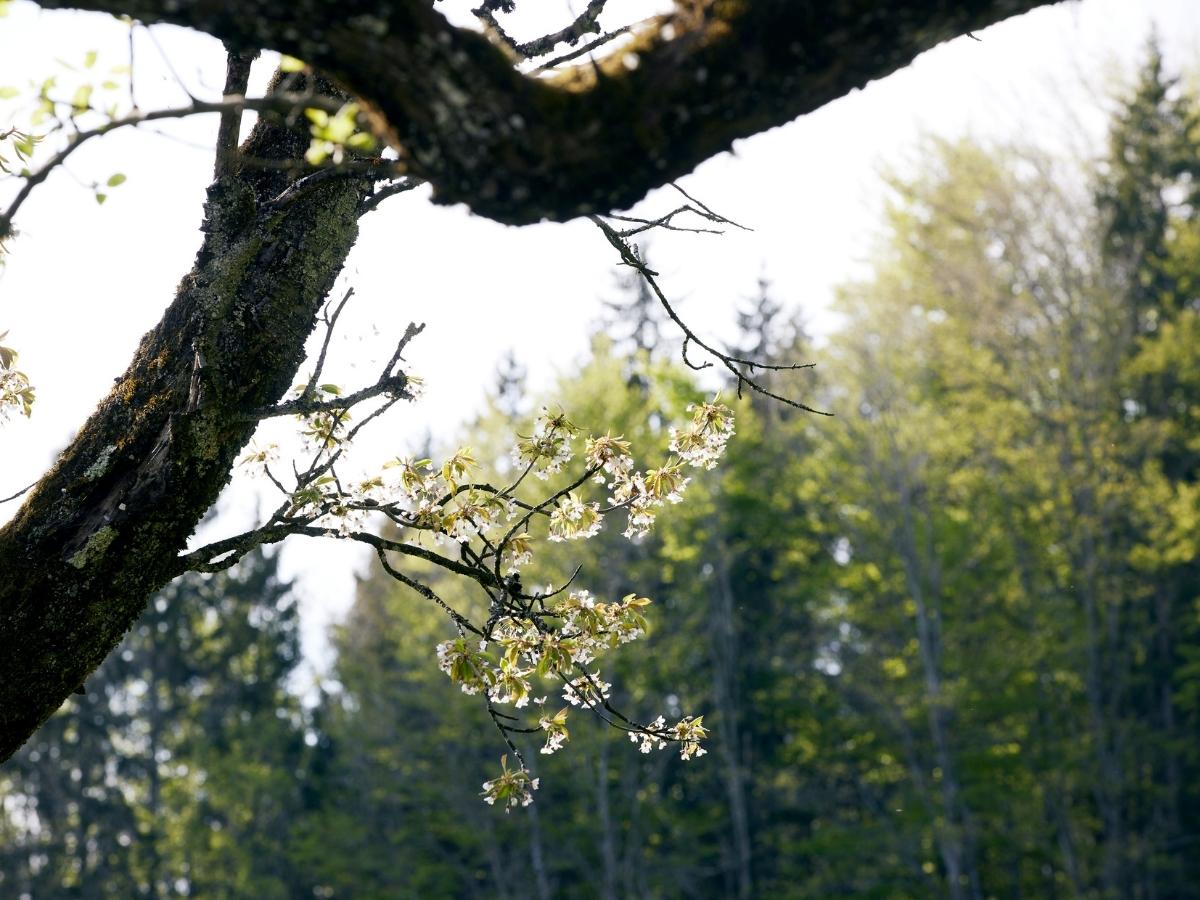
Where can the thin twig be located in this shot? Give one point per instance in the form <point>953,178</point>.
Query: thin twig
<point>586,48</point>
<point>630,258</point>
<point>170,68</point>
<point>389,190</point>
<point>310,389</point>
<point>19,493</point>
<point>301,407</point>
<point>503,733</point>
<point>585,23</point>
<point>277,103</point>
<point>714,215</point>
<point>426,592</point>
<point>410,332</point>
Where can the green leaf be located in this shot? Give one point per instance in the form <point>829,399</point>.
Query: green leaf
<point>7,92</point>
<point>89,59</point>
<point>100,197</point>
<point>115,179</point>
<point>82,97</point>
<point>316,153</point>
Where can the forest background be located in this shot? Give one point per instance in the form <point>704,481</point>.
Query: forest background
<point>947,646</point>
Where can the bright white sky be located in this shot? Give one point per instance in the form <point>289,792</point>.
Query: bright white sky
<point>84,282</point>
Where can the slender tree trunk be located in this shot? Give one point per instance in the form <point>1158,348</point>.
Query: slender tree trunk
<point>1168,802</point>
<point>1109,785</point>
<point>955,838</point>
<point>608,849</point>
<point>154,803</point>
<point>631,853</point>
<point>537,859</point>
<point>723,653</point>
<point>1048,741</point>
<point>495,860</point>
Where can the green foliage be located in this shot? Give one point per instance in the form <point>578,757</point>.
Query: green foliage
<point>945,646</point>
<point>332,135</point>
<point>175,773</point>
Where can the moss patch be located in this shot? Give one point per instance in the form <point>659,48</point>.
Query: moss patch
<point>94,548</point>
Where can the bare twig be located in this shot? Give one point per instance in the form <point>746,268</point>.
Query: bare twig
<point>281,104</point>
<point>132,96</point>
<point>388,190</point>
<point>665,222</point>
<point>310,389</point>
<point>19,493</point>
<point>585,23</point>
<point>426,592</point>
<point>504,733</point>
<point>166,58</point>
<point>629,257</point>
<point>409,333</point>
<point>585,49</point>
<point>716,217</point>
<point>394,386</point>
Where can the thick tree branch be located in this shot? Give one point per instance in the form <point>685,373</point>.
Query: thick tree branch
<point>520,148</point>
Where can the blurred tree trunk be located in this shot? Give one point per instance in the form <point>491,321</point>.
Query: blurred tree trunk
<point>723,653</point>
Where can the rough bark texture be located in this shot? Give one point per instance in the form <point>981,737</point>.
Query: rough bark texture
<point>104,528</point>
<point>519,149</point>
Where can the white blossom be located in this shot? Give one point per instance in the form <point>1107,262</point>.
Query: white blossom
<point>572,519</point>
<point>690,732</point>
<point>556,731</point>
<point>703,441</point>
<point>513,788</point>
<point>650,738</point>
<point>586,690</point>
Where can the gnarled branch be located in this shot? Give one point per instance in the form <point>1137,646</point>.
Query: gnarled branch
<point>520,148</point>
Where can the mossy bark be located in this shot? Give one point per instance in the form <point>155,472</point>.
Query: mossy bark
<point>104,528</point>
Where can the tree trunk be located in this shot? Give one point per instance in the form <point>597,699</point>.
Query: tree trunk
<point>537,856</point>
<point>104,528</point>
<point>608,846</point>
<point>723,645</point>
<point>922,580</point>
